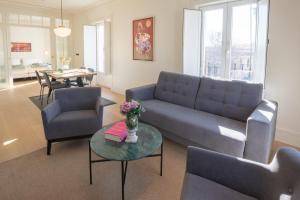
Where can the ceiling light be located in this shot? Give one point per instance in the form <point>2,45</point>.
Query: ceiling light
<point>62,31</point>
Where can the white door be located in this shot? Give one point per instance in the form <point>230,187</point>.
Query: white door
<point>90,47</point>
<point>4,68</point>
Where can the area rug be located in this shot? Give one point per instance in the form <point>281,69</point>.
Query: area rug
<point>37,102</point>
<point>65,175</point>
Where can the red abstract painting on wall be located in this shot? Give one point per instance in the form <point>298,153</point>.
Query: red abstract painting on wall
<point>20,47</point>
<point>143,39</point>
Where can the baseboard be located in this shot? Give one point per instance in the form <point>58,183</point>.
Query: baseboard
<point>288,137</point>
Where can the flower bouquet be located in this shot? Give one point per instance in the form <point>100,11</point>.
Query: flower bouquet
<point>132,109</point>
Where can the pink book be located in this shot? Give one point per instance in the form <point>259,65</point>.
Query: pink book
<point>118,132</point>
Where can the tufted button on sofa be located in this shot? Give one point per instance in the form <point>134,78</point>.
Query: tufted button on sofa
<point>225,116</point>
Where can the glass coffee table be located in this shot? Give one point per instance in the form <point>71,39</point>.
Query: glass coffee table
<point>149,140</point>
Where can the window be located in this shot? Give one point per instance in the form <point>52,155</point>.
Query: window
<point>233,40</point>
<point>62,54</point>
<point>37,21</point>
<point>46,21</point>
<point>28,20</point>
<point>97,47</point>
<point>66,22</point>
<point>24,19</point>
<point>13,19</point>
<point>62,58</point>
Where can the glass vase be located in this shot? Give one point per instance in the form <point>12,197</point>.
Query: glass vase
<point>132,122</point>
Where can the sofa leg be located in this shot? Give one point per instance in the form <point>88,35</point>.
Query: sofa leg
<point>48,148</point>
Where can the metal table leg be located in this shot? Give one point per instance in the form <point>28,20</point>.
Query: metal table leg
<point>123,176</point>
<point>161,158</point>
<point>90,163</point>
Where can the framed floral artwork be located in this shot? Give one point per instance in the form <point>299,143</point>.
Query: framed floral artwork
<point>143,39</point>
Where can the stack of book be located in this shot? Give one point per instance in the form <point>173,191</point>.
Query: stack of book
<point>118,132</point>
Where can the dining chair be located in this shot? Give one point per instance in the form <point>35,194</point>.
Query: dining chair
<point>42,83</point>
<point>90,78</point>
<point>53,85</point>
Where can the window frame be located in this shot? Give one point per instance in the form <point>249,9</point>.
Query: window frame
<point>227,8</point>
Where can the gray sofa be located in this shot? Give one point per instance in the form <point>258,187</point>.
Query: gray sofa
<point>226,116</point>
<point>214,176</point>
<point>75,113</point>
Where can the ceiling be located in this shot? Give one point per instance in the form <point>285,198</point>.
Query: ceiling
<point>69,5</point>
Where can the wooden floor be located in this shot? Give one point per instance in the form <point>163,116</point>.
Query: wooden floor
<point>21,130</point>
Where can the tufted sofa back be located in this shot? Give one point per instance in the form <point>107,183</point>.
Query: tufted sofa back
<point>231,99</point>
<point>177,88</point>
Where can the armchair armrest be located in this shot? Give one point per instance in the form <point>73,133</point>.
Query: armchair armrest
<point>239,174</point>
<point>141,93</point>
<point>99,110</point>
<point>261,127</point>
<point>50,112</point>
<point>99,107</point>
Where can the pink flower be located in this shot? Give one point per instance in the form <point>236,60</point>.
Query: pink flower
<point>129,106</point>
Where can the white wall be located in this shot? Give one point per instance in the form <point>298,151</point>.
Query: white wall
<point>40,44</point>
<point>126,72</point>
<point>282,81</point>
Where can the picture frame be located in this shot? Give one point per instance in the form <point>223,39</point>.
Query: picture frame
<point>143,39</point>
<point>20,47</point>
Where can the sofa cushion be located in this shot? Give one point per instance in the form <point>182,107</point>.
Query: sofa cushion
<point>198,188</point>
<point>177,88</point>
<point>73,123</point>
<point>209,131</point>
<point>233,99</point>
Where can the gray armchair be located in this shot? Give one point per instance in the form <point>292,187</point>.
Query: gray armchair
<point>75,113</point>
<point>215,176</point>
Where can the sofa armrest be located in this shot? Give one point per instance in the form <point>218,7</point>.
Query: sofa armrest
<point>50,112</point>
<point>261,127</point>
<point>141,93</point>
<point>238,174</point>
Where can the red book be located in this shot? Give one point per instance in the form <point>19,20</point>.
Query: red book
<point>118,132</point>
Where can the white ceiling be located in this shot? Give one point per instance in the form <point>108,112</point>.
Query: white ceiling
<point>69,5</point>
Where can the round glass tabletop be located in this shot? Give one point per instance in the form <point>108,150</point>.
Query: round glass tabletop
<point>149,139</point>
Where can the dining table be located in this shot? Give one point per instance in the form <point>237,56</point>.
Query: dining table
<point>67,75</point>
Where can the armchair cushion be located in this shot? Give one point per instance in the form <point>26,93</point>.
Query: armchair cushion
<point>73,123</point>
<point>72,99</point>
<point>198,188</point>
